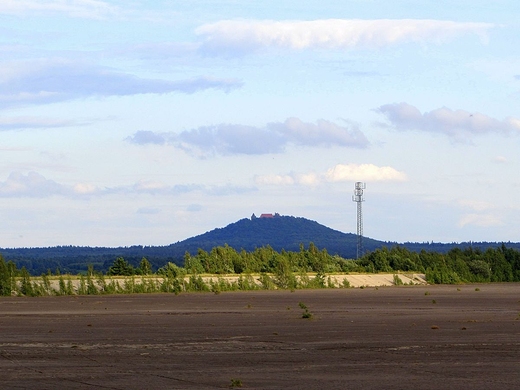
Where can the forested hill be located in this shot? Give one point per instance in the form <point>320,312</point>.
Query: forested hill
<point>280,232</point>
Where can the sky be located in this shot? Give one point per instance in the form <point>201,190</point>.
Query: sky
<point>148,122</point>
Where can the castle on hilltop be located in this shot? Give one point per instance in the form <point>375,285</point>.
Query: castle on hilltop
<point>275,215</point>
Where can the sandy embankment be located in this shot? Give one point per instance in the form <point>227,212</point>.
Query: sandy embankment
<point>355,280</point>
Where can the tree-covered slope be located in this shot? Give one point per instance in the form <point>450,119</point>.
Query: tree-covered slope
<point>283,232</point>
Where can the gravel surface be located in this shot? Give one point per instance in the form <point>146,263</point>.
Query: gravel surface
<point>412,337</point>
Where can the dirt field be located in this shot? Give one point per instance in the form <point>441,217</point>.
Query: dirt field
<point>413,337</point>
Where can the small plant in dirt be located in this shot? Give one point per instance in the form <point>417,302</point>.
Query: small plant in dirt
<point>397,280</point>
<point>235,383</point>
<point>306,313</point>
<point>434,301</point>
<point>345,283</point>
<point>426,293</point>
<point>477,289</point>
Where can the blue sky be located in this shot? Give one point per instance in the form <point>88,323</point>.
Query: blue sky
<point>148,122</point>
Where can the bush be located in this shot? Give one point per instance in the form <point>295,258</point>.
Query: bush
<point>397,280</point>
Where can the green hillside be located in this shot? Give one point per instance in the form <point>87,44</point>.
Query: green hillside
<point>280,233</point>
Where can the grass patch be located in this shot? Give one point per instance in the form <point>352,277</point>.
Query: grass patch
<point>306,313</point>
<point>235,383</point>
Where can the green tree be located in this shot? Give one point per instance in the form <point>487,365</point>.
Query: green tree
<point>121,267</point>
<point>26,287</point>
<point>192,264</point>
<point>145,267</point>
<point>5,278</point>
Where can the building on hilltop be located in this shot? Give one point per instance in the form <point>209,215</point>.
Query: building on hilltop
<point>265,215</point>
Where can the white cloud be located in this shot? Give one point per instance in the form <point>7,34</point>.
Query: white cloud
<point>41,82</point>
<point>248,35</point>
<point>338,173</point>
<point>458,124</point>
<point>309,179</point>
<point>480,220</point>
<point>94,9</point>
<point>363,172</point>
<point>226,139</point>
<point>31,185</point>
<point>85,189</point>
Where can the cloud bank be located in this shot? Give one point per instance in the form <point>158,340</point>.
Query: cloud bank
<point>35,185</point>
<point>228,139</point>
<point>53,81</point>
<point>338,173</point>
<point>458,124</point>
<point>31,185</point>
<point>92,9</point>
<point>249,35</point>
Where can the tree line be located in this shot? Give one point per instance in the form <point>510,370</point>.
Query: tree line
<point>277,269</point>
<point>469,265</point>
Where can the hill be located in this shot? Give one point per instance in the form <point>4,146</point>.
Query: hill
<point>280,232</point>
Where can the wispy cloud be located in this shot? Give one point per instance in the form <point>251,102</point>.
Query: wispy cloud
<point>457,124</point>
<point>51,81</point>
<point>20,123</point>
<point>148,210</point>
<point>241,36</point>
<point>35,185</point>
<point>500,160</point>
<point>92,9</point>
<point>31,185</point>
<point>338,173</point>
<point>480,220</point>
<point>226,139</point>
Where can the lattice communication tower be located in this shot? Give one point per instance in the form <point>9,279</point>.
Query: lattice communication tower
<point>358,198</point>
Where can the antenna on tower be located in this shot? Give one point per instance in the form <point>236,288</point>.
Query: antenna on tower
<point>358,198</point>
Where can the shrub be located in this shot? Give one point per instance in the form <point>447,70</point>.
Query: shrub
<point>397,280</point>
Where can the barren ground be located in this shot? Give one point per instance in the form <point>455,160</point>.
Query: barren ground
<point>384,338</point>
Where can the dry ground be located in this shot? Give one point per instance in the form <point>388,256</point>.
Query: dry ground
<point>384,338</point>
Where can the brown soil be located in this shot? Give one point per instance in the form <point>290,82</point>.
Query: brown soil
<point>417,337</point>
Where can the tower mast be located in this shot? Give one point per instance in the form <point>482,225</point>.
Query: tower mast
<point>358,198</point>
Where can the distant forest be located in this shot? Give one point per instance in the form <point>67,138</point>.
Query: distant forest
<point>501,264</point>
<point>282,234</point>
